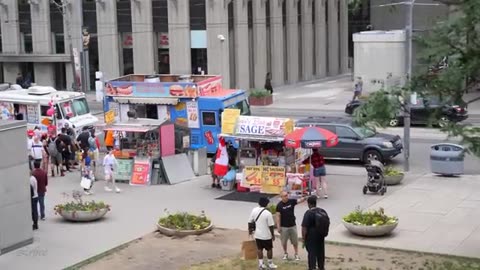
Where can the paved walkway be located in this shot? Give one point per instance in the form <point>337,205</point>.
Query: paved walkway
<point>427,207</point>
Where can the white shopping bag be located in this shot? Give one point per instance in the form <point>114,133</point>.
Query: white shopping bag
<point>86,183</point>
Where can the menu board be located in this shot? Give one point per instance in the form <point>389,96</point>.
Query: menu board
<point>265,175</point>
<point>124,169</point>
<point>141,172</point>
<point>32,114</point>
<point>192,114</point>
<point>253,175</point>
<point>229,118</point>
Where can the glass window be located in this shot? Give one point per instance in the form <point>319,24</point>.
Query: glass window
<point>209,119</point>
<point>67,109</point>
<point>80,106</point>
<point>344,132</point>
<point>43,110</point>
<point>328,127</point>
<point>244,107</point>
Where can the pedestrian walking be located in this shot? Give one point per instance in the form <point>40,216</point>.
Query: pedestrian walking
<point>262,226</point>
<point>268,83</point>
<point>34,200</point>
<point>42,183</point>
<point>315,227</point>
<point>358,89</point>
<point>87,171</point>
<point>109,165</point>
<point>94,144</point>
<point>286,224</point>
<point>55,155</point>
<point>66,145</point>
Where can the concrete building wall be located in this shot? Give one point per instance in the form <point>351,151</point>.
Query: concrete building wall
<point>74,24</point>
<point>10,37</point>
<point>107,38</point>
<point>259,43</point>
<point>15,204</point>
<point>42,42</point>
<point>277,45</point>
<point>333,38</point>
<point>179,37</point>
<point>292,42</point>
<point>241,48</point>
<point>320,39</point>
<point>343,32</point>
<point>217,49</point>
<point>144,60</point>
<point>307,43</point>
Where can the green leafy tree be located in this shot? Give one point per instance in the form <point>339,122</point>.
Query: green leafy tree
<point>456,40</point>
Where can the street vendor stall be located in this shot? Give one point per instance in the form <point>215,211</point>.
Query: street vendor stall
<point>261,151</point>
<point>140,145</point>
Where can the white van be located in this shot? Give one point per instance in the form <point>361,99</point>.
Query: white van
<point>32,105</point>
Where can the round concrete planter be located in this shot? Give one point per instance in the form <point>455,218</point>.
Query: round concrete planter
<point>181,233</point>
<point>370,231</point>
<point>260,101</point>
<point>394,179</point>
<point>83,216</point>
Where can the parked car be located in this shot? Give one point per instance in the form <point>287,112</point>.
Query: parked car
<point>427,110</point>
<point>355,142</point>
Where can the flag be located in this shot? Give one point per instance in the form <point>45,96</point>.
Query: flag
<point>221,163</point>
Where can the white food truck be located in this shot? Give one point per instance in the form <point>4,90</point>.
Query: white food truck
<point>33,103</point>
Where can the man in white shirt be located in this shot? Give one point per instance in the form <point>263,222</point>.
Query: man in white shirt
<point>264,232</point>
<point>34,200</point>
<point>109,165</point>
<point>37,150</point>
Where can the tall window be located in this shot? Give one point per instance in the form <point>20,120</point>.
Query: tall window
<point>124,18</point>
<point>198,24</point>
<point>160,27</point>
<point>90,24</point>
<point>56,27</point>
<point>25,22</point>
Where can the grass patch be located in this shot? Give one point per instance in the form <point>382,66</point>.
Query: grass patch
<point>239,264</point>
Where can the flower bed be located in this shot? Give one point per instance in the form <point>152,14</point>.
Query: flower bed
<point>79,210</point>
<point>183,224</point>
<point>369,223</point>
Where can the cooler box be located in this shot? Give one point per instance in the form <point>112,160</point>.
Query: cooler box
<point>227,185</point>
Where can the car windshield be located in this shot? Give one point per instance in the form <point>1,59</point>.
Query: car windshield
<point>80,106</point>
<point>365,132</point>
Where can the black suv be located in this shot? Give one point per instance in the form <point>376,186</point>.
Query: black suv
<point>427,110</point>
<point>355,142</point>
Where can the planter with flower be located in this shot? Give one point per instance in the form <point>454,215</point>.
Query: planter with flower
<point>369,223</point>
<point>260,97</point>
<point>393,176</point>
<point>184,224</point>
<point>78,210</point>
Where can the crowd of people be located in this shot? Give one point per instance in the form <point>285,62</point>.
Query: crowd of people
<point>315,227</point>
<point>66,152</point>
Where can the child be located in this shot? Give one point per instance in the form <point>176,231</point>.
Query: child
<point>87,171</point>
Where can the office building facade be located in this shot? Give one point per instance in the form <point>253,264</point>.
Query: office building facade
<point>243,40</point>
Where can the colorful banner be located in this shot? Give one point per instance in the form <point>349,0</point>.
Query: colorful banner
<point>210,86</point>
<point>140,172</point>
<point>263,126</point>
<point>229,118</point>
<point>192,114</point>
<point>146,89</point>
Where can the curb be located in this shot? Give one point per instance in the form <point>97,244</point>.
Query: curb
<point>102,255</point>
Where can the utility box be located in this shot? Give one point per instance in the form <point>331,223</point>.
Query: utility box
<point>379,59</point>
<point>15,200</point>
<point>447,159</point>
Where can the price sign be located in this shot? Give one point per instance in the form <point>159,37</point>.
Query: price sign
<point>274,176</point>
<point>110,117</point>
<point>253,175</point>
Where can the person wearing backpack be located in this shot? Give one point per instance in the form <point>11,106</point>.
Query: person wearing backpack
<point>315,226</point>
<point>262,226</point>
<point>54,154</point>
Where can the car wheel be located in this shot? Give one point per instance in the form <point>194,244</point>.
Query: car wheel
<point>371,155</point>
<point>443,121</point>
<point>393,123</point>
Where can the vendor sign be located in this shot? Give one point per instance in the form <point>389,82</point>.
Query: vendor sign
<point>265,175</point>
<point>229,118</point>
<point>253,175</point>
<point>140,172</point>
<point>148,89</point>
<point>263,126</point>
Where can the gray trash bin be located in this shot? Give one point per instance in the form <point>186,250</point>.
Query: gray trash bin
<point>447,159</point>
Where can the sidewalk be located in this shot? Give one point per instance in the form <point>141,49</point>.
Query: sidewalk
<point>426,201</point>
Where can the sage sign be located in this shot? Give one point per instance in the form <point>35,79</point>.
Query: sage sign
<point>251,130</point>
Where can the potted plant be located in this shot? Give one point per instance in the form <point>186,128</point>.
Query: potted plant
<point>78,210</point>
<point>393,176</point>
<point>183,224</point>
<point>260,97</point>
<point>369,223</point>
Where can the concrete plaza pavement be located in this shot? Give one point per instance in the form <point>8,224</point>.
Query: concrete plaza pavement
<point>428,208</point>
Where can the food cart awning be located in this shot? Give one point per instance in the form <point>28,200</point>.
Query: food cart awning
<point>139,100</point>
<point>254,138</point>
<point>129,129</point>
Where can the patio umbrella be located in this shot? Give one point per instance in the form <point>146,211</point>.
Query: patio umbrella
<point>311,137</point>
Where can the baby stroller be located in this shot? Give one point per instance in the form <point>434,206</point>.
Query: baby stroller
<point>376,181</point>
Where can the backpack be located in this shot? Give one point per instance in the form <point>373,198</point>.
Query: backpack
<point>322,221</point>
<point>52,148</point>
<point>92,144</point>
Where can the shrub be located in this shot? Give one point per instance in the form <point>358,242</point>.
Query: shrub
<point>185,221</point>
<point>258,93</point>
<point>369,218</point>
<point>391,171</point>
<point>79,205</point>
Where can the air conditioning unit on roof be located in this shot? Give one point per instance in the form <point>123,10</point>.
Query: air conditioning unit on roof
<point>41,90</point>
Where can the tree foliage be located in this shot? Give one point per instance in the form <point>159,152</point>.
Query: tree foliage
<point>457,39</point>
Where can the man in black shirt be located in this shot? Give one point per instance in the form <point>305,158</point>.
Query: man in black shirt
<point>286,225</point>
<point>66,149</point>
<point>315,226</point>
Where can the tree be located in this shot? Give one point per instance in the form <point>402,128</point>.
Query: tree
<point>455,42</point>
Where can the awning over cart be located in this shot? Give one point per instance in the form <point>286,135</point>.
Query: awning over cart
<point>129,129</point>
<point>139,100</point>
<point>254,138</point>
